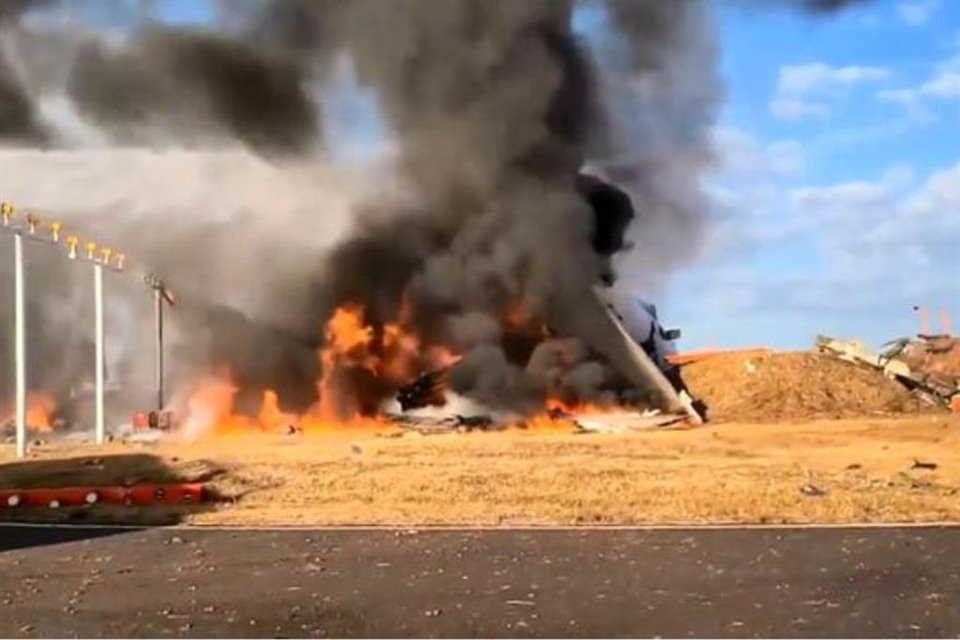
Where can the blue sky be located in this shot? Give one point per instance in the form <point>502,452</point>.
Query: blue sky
<point>836,192</point>
<point>837,195</point>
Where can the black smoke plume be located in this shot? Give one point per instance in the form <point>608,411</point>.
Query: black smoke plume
<point>493,108</point>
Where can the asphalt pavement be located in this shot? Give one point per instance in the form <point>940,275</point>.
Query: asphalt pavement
<point>805,582</point>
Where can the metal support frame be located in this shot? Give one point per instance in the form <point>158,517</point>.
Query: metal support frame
<point>158,317</point>
<point>161,296</point>
<point>20,361</point>
<point>99,428</point>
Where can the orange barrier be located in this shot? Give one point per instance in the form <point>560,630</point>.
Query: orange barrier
<point>141,495</point>
<point>696,356</point>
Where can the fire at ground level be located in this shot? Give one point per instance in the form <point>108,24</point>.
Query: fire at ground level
<point>841,379</point>
<point>883,469</point>
<point>593,348</point>
<point>889,453</point>
<point>796,437</point>
<point>536,365</point>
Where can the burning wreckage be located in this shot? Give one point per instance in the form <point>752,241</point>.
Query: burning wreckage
<point>636,340</point>
<point>482,293</point>
<point>645,391</point>
<point>485,286</point>
<point>363,363</point>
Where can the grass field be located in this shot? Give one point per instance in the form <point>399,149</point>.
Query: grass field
<point>710,474</point>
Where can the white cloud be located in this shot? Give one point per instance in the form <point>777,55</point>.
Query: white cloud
<point>847,259</point>
<point>796,109</point>
<point>746,188</point>
<point>946,84</point>
<point>938,196</point>
<point>795,83</point>
<point>899,177</point>
<point>943,84</point>
<point>786,157</point>
<point>906,97</point>
<point>868,241</point>
<point>808,78</point>
<point>742,156</point>
<point>844,199</point>
<point>874,232</point>
<point>918,12</point>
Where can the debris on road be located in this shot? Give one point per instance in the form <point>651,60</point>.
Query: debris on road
<point>521,603</point>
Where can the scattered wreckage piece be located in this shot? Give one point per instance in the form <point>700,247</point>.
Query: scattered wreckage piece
<point>624,421</point>
<point>935,357</point>
<point>603,327</point>
<point>425,391</point>
<point>928,365</point>
<point>446,423</point>
<point>606,422</point>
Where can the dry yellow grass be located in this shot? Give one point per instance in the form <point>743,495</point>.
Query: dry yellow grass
<point>724,473</point>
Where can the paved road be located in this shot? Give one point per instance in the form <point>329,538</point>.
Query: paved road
<point>608,583</point>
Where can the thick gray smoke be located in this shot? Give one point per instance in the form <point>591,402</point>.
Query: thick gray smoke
<point>197,85</point>
<point>200,151</point>
<point>495,107</point>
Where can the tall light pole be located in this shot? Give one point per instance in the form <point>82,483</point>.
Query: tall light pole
<point>161,295</point>
<point>158,317</point>
<point>99,420</point>
<point>19,339</point>
<point>99,263</point>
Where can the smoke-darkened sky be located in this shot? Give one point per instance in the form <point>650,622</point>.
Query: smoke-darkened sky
<point>492,108</point>
<point>840,141</point>
<point>810,173</point>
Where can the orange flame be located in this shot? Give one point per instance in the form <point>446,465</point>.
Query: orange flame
<point>40,408</point>
<point>520,317</point>
<point>210,411</point>
<point>556,405</point>
<point>270,416</point>
<point>348,341</point>
<point>358,357</point>
<point>392,355</point>
<point>440,357</point>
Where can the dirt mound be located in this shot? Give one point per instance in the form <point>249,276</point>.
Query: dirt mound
<point>794,386</point>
